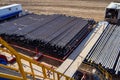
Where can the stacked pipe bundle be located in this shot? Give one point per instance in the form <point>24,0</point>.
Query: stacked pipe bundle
<point>106,51</point>
<point>56,35</point>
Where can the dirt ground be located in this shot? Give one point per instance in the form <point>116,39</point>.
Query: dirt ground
<point>81,8</point>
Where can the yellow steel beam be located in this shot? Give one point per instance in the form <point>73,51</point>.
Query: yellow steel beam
<point>8,76</point>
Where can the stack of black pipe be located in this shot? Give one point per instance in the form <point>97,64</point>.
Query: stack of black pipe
<point>56,35</point>
<point>106,51</point>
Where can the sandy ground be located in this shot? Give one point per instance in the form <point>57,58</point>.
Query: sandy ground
<point>81,8</point>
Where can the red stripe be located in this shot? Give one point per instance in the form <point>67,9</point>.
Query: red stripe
<point>35,53</point>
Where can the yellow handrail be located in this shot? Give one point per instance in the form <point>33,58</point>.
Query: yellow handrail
<point>10,76</point>
<point>54,76</point>
<point>99,67</point>
<point>105,72</point>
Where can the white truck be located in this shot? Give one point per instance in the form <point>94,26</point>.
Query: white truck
<point>10,11</point>
<point>112,13</point>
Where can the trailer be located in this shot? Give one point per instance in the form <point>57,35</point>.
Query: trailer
<point>10,11</point>
<point>112,12</point>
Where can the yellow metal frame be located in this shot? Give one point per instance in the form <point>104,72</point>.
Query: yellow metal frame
<point>55,76</point>
<point>99,67</point>
<point>107,74</point>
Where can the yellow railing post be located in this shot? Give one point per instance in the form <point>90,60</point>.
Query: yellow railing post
<point>32,70</point>
<point>66,78</point>
<point>21,67</point>
<point>58,76</point>
<point>53,75</point>
<point>44,72</point>
<point>110,77</point>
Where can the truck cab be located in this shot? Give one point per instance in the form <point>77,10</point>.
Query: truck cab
<point>112,12</point>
